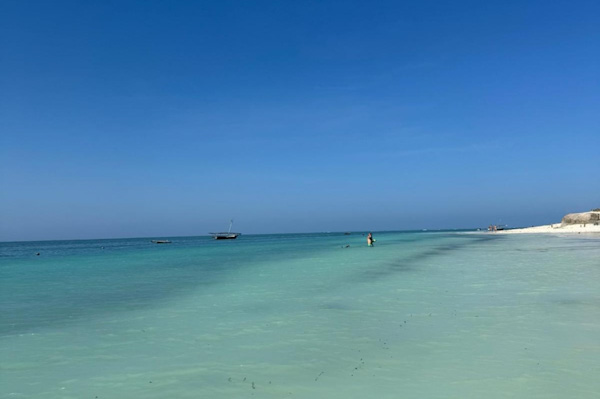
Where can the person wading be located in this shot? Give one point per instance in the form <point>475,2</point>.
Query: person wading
<point>370,240</point>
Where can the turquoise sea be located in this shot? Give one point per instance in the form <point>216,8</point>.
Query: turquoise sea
<point>420,315</point>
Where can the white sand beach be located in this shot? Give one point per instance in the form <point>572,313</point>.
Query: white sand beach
<point>572,223</point>
<point>556,228</point>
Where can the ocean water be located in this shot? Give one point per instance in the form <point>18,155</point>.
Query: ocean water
<point>420,315</point>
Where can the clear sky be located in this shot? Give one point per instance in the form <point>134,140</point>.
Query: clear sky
<point>162,118</point>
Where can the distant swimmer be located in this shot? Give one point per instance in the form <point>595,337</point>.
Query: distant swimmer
<point>370,240</point>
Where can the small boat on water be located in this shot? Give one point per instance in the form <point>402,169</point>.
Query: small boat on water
<point>226,235</point>
<point>161,241</point>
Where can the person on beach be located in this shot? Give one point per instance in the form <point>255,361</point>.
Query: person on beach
<point>370,240</point>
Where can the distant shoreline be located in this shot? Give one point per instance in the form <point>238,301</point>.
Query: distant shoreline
<point>556,228</point>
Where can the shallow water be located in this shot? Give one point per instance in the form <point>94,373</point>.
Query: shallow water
<point>422,314</point>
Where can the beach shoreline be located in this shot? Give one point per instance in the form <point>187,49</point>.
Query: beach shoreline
<point>556,228</point>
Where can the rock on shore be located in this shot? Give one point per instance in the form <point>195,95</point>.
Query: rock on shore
<point>581,218</point>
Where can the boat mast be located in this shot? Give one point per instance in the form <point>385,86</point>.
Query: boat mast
<point>230,224</point>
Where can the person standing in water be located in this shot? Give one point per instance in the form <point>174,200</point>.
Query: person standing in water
<point>370,240</point>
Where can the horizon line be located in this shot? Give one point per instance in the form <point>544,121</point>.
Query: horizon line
<point>247,234</point>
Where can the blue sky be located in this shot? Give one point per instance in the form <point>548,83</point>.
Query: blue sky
<point>157,118</point>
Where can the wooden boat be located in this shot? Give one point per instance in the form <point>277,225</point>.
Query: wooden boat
<point>226,235</point>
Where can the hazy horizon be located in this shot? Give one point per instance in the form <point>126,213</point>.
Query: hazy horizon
<point>249,233</point>
<point>363,232</point>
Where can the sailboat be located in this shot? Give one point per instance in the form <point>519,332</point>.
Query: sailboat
<point>226,236</point>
